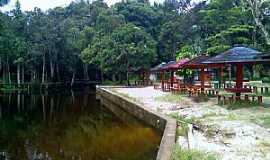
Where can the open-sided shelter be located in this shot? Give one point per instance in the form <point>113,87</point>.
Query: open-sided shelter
<point>196,63</point>
<point>238,56</point>
<point>174,66</point>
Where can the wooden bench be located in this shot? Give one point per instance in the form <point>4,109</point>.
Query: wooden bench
<point>157,86</point>
<point>231,97</point>
<point>254,96</point>
<point>223,95</point>
<point>178,88</point>
<point>211,91</point>
<point>193,90</point>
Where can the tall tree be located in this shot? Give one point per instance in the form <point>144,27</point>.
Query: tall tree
<point>3,2</point>
<point>258,8</point>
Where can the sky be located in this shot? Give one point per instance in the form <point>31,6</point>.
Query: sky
<point>28,5</point>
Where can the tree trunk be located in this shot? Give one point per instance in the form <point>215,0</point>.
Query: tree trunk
<point>0,64</point>
<point>43,107</point>
<point>22,73</point>
<point>18,73</point>
<point>51,107</point>
<point>86,76</point>
<point>73,79</point>
<point>58,73</point>
<point>52,69</point>
<point>101,76</point>
<point>73,97</point>
<point>19,102</point>
<point>4,71</point>
<point>43,69</point>
<point>255,7</point>
<point>263,29</point>
<point>8,72</point>
<point>128,78</point>
<point>34,75</point>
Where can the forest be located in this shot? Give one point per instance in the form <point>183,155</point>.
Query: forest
<point>93,41</point>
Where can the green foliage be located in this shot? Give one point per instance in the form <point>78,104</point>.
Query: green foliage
<point>266,121</point>
<point>185,52</point>
<point>239,34</point>
<point>128,46</point>
<point>185,154</point>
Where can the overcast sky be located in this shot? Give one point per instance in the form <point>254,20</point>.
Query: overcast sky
<point>46,4</point>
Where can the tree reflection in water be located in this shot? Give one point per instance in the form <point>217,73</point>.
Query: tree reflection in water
<point>69,126</point>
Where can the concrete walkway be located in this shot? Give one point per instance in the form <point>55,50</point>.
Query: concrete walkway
<point>230,134</point>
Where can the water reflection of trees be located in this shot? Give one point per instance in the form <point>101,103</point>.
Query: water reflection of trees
<point>68,126</point>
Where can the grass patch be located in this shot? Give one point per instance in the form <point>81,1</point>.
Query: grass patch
<point>232,117</point>
<point>185,154</point>
<point>265,121</point>
<point>182,128</point>
<point>266,94</point>
<point>200,98</point>
<point>241,104</point>
<point>176,98</point>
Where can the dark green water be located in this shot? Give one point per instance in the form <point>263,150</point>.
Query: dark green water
<point>70,126</point>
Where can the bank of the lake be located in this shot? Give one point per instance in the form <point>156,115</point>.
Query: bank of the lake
<point>161,122</point>
<point>217,132</point>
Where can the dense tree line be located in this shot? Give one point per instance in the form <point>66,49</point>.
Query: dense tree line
<point>85,39</point>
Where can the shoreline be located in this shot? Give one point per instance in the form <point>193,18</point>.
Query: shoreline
<point>161,122</point>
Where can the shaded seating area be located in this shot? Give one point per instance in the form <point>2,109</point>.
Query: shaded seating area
<point>172,83</point>
<point>233,60</point>
<point>204,84</point>
<point>155,73</point>
<point>238,57</point>
<point>143,77</point>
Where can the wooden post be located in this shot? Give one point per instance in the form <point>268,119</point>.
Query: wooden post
<point>162,80</point>
<point>172,78</point>
<point>239,77</point>
<point>202,79</point>
<point>221,76</point>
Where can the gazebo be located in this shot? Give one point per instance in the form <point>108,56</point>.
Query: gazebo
<point>143,74</point>
<point>237,56</point>
<point>172,67</point>
<point>158,69</point>
<point>196,63</point>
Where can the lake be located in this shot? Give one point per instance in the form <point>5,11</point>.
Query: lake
<point>70,125</point>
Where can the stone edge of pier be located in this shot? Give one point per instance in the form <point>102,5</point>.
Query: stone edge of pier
<point>160,122</point>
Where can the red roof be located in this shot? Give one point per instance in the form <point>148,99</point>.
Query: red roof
<point>196,62</point>
<point>176,65</point>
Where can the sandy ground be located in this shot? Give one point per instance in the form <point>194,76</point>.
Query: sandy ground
<point>229,134</point>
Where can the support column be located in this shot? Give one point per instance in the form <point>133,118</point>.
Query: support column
<point>239,77</point>
<point>162,80</point>
<point>221,77</point>
<point>202,79</point>
<point>172,78</point>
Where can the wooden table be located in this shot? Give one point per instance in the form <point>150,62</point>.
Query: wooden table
<point>238,91</point>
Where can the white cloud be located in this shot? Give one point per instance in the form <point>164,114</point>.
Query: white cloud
<point>28,5</point>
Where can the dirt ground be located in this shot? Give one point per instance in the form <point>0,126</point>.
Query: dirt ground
<point>239,134</point>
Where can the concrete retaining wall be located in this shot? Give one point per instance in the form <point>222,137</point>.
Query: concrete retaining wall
<point>152,118</point>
